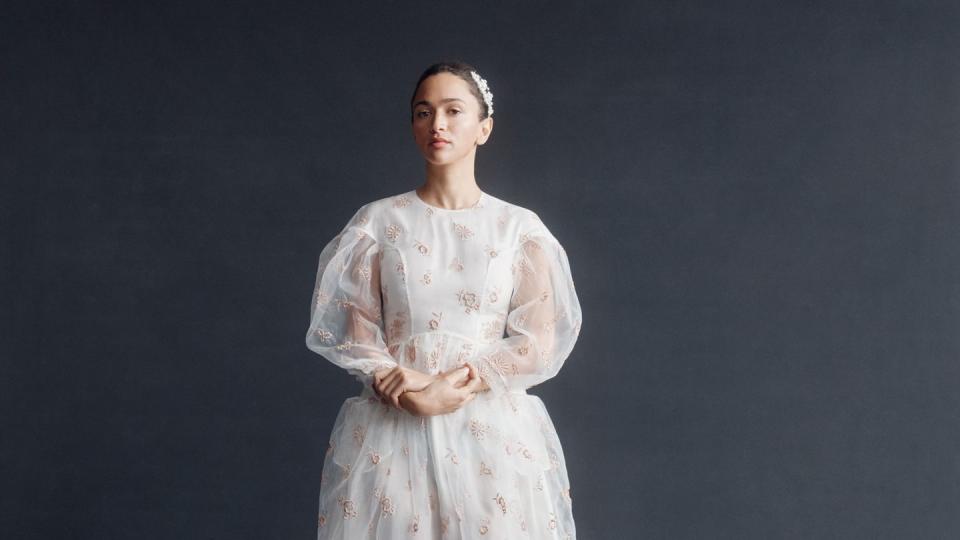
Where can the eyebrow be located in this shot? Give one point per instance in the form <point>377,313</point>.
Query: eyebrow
<point>444,100</point>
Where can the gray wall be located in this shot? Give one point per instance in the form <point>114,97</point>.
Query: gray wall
<point>759,201</point>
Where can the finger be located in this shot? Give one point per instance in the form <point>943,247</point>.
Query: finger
<point>474,385</point>
<point>389,380</point>
<point>458,375</point>
<point>392,389</point>
<point>395,397</point>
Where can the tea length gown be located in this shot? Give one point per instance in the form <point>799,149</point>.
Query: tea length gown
<point>430,289</point>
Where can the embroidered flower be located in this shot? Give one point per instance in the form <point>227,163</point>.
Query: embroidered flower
<point>415,524</point>
<point>426,280</point>
<point>358,435</point>
<point>393,232</point>
<point>401,201</point>
<point>374,457</point>
<point>421,247</point>
<point>322,298</point>
<point>435,321</point>
<point>456,264</point>
<point>453,456</point>
<point>478,429</point>
<point>484,526</point>
<point>469,300</point>
<point>490,251</point>
<point>349,510</point>
<point>492,330</point>
<point>485,469</point>
<point>325,336</point>
<point>321,520</point>
<point>363,270</point>
<point>386,506</point>
<point>501,502</point>
<point>462,231</point>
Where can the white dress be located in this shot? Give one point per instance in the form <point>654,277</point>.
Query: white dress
<point>429,288</point>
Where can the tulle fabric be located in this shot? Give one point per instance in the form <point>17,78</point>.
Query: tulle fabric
<point>408,284</point>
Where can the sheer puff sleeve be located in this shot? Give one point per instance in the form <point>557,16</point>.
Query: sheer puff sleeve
<point>346,314</point>
<point>543,323</point>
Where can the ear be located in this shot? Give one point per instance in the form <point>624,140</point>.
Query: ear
<point>486,127</point>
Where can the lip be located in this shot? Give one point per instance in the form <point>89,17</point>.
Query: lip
<point>439,143</point>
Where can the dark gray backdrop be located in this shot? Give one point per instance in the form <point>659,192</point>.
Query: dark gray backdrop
<point>759,201</point>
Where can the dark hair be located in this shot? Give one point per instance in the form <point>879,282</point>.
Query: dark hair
<point>460,69</point>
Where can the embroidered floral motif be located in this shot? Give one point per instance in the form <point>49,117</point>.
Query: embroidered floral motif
<point>552,522</point>
<point>522,350</point>
<point>566,495</point>
<point>426,279</point>
<point>386,506</point>
<point>362,220</point>
<point>435,321</point>
<point>343,304</point>
<point>462,230</point>
<point>429,211</point>
<point>490,251</point>
<point>396,326</point>
<point>358,435</point>
<point>322,298</point>
<point>349,510</point>
<point>321,520</point>
<point>501,502</point>
<point>363,270</point>
<point>494,295</point>
<point>484,526</point>
<point>453,456</point>
<point>492,330</point>
<point>525,452</point>
<point>465,350</point>
<point>434,359</point>
<point>456,264</point>
<point>325,336</point>
<point>345,346</point>
<point>444,524</point>
<point>484,469</point>
<point>478,429</point>
<point>468,300</point>
<point>401,201</point>
<point>374,457</point>
<point>421,247</point>
<point>393,232</point>
<point>415,524</point>
<point>411,354</point>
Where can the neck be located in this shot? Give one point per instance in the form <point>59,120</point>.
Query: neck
<point>452,185</point>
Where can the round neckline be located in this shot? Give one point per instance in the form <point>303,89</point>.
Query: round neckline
<point>474,206</point>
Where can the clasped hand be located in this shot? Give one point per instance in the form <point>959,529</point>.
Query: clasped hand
<point>423,394</point>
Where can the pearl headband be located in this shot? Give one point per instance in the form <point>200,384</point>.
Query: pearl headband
<point>487,95</point>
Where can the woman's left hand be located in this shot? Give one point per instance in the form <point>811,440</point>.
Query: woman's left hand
<point>390,384</point>
<point>443,396</point>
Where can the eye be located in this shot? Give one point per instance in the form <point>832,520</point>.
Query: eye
<point>421,113</point>
<point>455,111</point>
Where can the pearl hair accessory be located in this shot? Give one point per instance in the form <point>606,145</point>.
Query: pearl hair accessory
<point>487,95</point>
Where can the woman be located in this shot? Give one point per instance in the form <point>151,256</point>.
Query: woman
<point>447,303</point>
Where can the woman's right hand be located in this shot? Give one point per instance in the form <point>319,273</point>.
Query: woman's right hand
<point>391,383</point>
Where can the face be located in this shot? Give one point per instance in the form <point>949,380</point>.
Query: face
<point>444,108</point>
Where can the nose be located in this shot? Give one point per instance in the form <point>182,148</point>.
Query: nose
<point>438,124</point>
